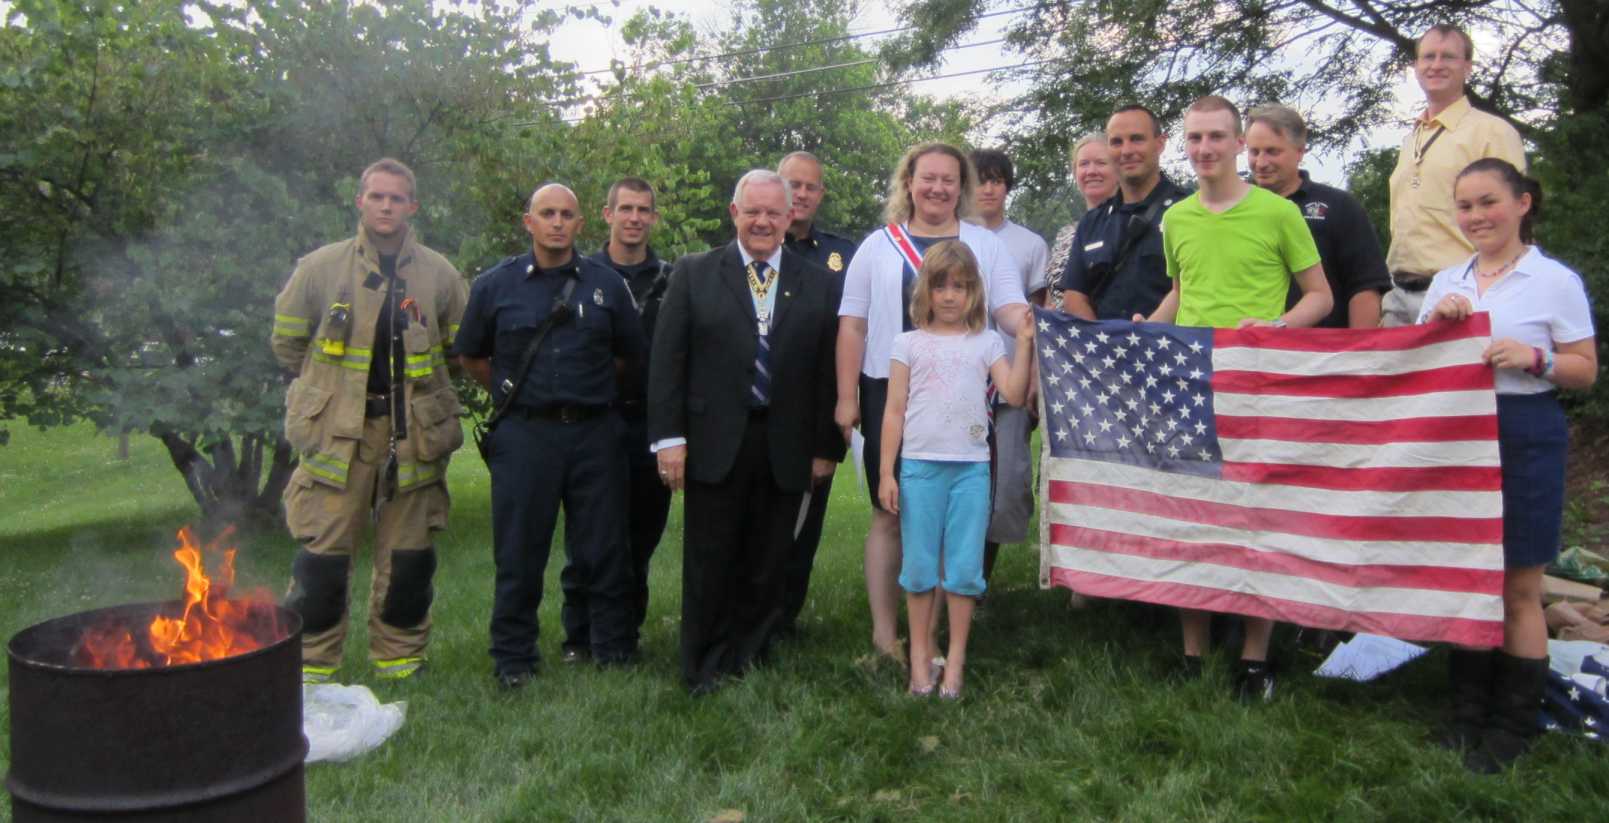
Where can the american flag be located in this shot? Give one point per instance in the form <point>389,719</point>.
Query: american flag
<point>1325,477</point>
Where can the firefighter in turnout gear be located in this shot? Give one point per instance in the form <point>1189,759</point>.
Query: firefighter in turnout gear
<point>365,325</point>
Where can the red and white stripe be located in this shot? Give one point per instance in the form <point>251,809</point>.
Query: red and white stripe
<point>1360,490</point>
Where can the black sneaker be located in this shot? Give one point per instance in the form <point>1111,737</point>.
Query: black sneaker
<point>1254,682</point>
<point>514,681</point>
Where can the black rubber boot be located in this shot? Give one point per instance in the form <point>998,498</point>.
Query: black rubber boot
<point>1470,675</point>
<point>1517,685</point>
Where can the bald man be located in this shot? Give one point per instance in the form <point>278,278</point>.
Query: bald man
<point>559,441</point>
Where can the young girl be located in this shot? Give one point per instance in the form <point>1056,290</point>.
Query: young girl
<point>936,404</point>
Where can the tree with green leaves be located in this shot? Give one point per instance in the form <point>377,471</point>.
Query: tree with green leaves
<point>172,160</point>
<point>694,113</point>
<point>1541,64</point>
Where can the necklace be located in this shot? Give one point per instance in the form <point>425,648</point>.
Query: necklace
<point>760,288</point>
<point>1506,266</point>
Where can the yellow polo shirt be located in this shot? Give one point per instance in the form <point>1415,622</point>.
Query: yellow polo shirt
<point>1424,234</point>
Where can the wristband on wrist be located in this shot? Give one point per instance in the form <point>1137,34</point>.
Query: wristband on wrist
<point>1279,323</point>
<point>1547,367</point>
<point>1535,369</point>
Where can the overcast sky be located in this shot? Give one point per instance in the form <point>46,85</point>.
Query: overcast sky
<point>591,45</point>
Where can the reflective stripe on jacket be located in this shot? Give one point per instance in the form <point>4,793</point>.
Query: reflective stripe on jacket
<point>323,331</point>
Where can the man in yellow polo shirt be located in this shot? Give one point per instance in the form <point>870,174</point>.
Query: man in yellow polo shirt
<point>1448,136</point>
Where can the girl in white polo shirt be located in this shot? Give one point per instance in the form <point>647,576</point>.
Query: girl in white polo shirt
<point>1542,341</point>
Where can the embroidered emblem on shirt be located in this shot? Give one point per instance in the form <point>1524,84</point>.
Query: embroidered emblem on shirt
<point>597,296</point>
<point>1316,210</point>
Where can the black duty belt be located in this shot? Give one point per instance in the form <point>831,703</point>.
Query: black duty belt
<point>565,413</point>
<point>1407,281</point>
<point>376,405</point>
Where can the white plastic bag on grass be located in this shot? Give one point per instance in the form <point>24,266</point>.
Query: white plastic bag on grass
<point>342,722</point>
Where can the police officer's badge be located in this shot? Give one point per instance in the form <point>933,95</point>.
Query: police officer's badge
<point>835,261</point>
<point>597,296</point>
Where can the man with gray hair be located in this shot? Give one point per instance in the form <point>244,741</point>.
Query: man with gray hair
<point>740,399</point>
<point>1276,141</point>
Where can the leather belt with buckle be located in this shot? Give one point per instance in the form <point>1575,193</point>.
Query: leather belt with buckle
<point>1410,282</point>
<point>376,405</point>
<point>560,413</point>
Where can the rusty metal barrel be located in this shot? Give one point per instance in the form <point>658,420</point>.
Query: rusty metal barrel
<point>214,741</point>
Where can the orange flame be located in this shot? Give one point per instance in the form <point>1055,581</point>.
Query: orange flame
<point>211,625</point>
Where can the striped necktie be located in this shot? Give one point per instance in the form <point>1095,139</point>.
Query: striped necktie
<point>760,392</point>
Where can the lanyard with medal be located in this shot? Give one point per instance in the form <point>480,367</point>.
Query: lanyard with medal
<point>759,289</point>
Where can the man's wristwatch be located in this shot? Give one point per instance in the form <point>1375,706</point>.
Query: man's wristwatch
<point>1279,323</point>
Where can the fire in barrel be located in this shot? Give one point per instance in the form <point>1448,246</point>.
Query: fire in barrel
<point>187,710</point>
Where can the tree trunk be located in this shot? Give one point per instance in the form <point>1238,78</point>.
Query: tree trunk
<point>230,488</point>
<point>1588,22</point>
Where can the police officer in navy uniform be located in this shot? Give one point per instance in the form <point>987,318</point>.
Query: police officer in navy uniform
<point>631,214</point>
<point>561,439</point>
<point>1115,268</point>
<point>1276,141</point>
<point>802,170</point>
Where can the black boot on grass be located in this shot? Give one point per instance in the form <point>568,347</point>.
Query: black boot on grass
<point>1470,675</point>
<point>1517,685</point>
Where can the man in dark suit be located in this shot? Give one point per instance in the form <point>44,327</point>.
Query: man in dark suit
<point>740,398</point>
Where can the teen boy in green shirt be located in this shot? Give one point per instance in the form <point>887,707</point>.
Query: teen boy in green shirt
<point>1232,250</point>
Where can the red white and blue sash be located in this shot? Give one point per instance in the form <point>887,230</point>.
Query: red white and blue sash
<point>912,258</point>
<point>901,239</point>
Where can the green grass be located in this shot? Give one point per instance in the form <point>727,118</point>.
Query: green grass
<point>1064,716</point>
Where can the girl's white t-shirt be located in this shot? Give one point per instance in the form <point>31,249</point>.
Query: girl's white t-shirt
<point>946,415</point>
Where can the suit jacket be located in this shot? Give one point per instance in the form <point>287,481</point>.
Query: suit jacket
<point>702,366</point>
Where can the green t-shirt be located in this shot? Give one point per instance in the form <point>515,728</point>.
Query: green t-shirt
<point>1238,263</point>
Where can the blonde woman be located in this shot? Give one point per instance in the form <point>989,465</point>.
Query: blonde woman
<point>929,193</point>
<point>1096,177</point>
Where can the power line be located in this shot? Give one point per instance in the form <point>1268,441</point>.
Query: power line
<point>803,43</point>
<point>573,101</point>
<point>872,86</point>
<point>814,69</point>
<point>891,83</point>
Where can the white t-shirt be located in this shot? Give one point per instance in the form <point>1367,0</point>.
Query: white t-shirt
<point>946,416</point>
<point>1031,254</point>
<point>874,288</point>
<point>1539,303</point>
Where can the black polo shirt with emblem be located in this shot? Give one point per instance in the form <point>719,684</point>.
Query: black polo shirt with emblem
<point>825,249</point>
<point>647,281</point>
<point>1347,246</point>
<point>1139,286</point>
<point>575,364</point>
